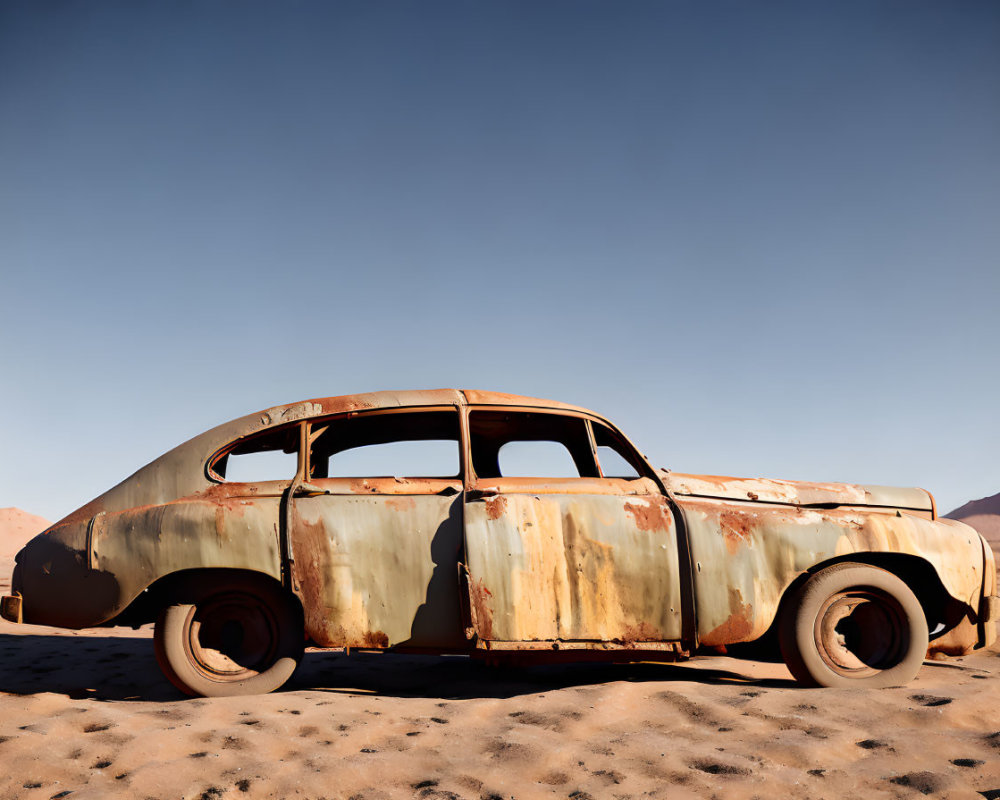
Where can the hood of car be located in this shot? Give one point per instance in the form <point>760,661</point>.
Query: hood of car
<point>798,493</point>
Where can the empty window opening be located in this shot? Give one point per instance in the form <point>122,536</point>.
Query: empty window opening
<point>613,465</point>
<point>616,457</point>
<point>422,444</point>
<point>530,444</point>
<point>537,460</point>
<point>270,456</point>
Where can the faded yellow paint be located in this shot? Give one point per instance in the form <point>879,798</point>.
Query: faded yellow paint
<point>568,567</point>
<point>376,568</point>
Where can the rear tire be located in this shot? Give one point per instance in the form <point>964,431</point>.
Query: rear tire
<point>238,641</point>
<point>853,625</point>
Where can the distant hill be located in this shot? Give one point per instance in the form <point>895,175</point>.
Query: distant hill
<point>16,527</point>
<point>984,516</point>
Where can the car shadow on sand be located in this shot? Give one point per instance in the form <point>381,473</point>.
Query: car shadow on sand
<point>459,677</point>
<point>114,668</point>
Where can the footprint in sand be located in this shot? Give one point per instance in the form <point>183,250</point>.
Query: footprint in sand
<point>923,782</point>
<point>507,751</point>
<point>930,700</point>
<point>718,768</point>
<point>872,744</point>
<point>96,727</point>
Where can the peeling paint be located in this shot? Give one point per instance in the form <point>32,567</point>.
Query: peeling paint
<point>495,506</point>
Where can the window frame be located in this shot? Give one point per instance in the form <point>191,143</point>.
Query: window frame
<point>310,435</point>
<point>646,470</point>
<point>226,450</point>
<point>589,420</point>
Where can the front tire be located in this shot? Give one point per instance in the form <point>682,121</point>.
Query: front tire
<point>853,625</point>
<point>238,641</point>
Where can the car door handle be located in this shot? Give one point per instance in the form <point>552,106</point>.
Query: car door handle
<point>481,494</point>
<point>448,491</point>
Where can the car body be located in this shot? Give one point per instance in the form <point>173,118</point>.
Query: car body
<point>445,542</point>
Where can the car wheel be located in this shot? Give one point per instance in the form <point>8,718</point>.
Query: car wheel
<point>853,625</point>
<point>234,642</point>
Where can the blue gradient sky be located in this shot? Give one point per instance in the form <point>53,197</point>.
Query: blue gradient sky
<point>763,238</point>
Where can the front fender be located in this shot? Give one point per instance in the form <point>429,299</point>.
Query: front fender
<point>746,555</point>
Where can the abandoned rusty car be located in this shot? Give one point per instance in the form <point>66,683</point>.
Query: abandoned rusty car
<point>489,524</point>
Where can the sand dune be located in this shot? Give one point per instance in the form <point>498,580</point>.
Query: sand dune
<point>87,715</point>
<point>984,516</point>
<point>16,528</point>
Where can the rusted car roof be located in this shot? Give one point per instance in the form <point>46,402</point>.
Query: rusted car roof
<point>180,472</point>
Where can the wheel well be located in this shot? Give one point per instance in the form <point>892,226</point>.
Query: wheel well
<point>940,608</point>
<point>189,586</point>
<point>943,612</point>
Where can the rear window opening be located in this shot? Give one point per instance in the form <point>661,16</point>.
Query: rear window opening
<point>270,456</point>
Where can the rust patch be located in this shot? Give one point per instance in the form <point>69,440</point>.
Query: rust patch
<point>482,612</point>
<point>82,514</point>
<point>737,529</point>
<point>401,503</point>
<point>495,506</point>
<point>651,516</point>
<point>376,639</point>
<point>361,486</point>
<point>311,566</point>
<point>643,632</point>
<point>737,627</point>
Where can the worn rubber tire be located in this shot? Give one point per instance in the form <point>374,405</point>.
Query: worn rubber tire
<point>853,625</point>
<point>237,641</point>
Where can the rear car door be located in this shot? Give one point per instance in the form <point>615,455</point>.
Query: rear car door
<point>376,529</point>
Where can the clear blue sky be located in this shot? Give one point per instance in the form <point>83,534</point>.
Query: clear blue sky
<point>763,238</point>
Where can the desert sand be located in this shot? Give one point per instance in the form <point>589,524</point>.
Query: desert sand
<point>88,715</point>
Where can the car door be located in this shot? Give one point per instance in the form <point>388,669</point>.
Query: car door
<point>556,551</point>
<point>376,529</point>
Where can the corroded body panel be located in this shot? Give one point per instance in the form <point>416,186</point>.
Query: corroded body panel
<point>599,564</point>
<point>800,493</point>
<point>375,562</point>
<point>747,554</point>
<point>106,562</point>
<point>142,545</point>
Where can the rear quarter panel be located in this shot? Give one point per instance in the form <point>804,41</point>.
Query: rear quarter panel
<point>141,545</point>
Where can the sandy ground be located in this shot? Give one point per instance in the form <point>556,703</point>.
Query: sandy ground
<point>88,715</point>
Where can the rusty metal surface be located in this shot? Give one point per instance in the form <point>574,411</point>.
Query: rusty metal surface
<point>562,564</point>
<point>747,554</point>
<point>375,562</point>
<point>799,493</point>
<point>106,562</point>
<point>590,563</point>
